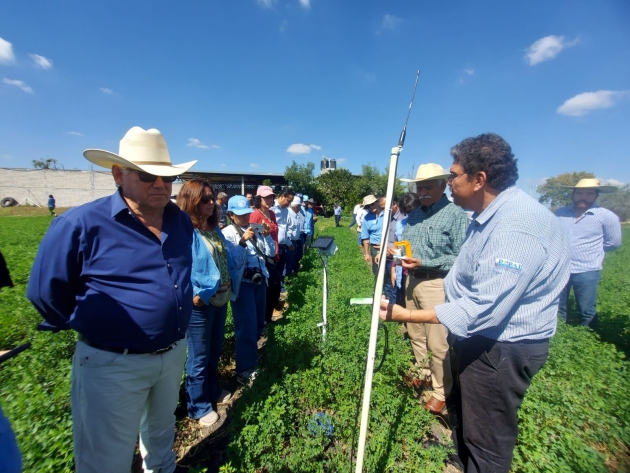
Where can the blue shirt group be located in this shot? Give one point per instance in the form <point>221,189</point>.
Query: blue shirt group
<point>102,272</point>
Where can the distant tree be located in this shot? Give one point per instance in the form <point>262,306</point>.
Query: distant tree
<point>302,178</point>
<point>49,163</point>
<point>372,181</point>
<point>336,186</point>
<point>554,194</point>
<point>618,202</point>
<point>267,182</point>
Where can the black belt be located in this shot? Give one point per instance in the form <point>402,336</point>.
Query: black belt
<point>427,274</point>
<point>129,351</point>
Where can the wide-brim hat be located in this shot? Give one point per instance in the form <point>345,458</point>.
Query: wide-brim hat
<point>592,184</point>
<point>368,200</point>
<point>311,201</point>
<point>142,150</point>
<point>429,172</point>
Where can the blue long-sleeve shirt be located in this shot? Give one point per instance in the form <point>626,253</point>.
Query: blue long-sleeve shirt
<point>598,230</point>
<point>101,272</point>
<point>308,221</point>
<point>506,281</point>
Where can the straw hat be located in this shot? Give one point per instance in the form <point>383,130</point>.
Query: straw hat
<point>368,200</point>
<point>142,150</point>
<point>592,184</point>
<point>429,172</point>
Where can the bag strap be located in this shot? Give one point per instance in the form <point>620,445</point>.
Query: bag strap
<point>255,245</point>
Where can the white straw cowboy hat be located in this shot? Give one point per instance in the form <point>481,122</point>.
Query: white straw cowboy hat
<point>592,184</point>
<point>142,150</point>
<point>368,200</point>
<point>429,172</point>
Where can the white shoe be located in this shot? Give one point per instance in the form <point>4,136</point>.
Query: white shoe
<point>209,419</point>
<point>224,397</point>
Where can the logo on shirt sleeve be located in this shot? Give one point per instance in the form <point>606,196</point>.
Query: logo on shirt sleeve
<point>507,264</point>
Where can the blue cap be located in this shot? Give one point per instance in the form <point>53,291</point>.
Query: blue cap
<point>239,205</point>
<point>304,198</point>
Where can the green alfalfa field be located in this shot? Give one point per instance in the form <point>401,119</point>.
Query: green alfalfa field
<point>575,417</point>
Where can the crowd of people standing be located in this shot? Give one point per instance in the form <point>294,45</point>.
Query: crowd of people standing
<point>146,282</point>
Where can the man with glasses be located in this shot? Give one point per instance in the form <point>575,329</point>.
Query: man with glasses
<point>501,298</point>
<point>118,272</point>
<point>435,230</point>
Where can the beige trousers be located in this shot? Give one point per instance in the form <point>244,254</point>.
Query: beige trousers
<point>426,294</point>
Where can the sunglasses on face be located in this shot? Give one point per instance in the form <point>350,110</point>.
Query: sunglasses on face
<point>206,199</point>
<point>146,177</point>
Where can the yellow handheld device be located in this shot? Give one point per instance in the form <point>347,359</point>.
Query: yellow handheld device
<point>406,246</point>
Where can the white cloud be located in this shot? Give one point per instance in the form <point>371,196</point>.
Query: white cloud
<point>469,71</point>
<point>390,22</point>
<point>215,146</point>
<point>283,26</point>
<point>547,48</point>
<point>341,160</point>
<point>305,4</point>
<point>300,148</point>
<point>105,90</point>
<point>7,156</point>
<point>41,61</point>
<point>253,165</point>
<point>74,133</point>
<point>584,103</point>
<point>195,143</point>
<point>18,83</point>
<point>611,182</point>
<point>6,52</point>
<point>223,165</point>
<point>266,3</point>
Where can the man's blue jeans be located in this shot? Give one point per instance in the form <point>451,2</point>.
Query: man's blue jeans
<point>206,332</point>
<point>354,221</point>
<point>248,311</point>
<point>585,291</point>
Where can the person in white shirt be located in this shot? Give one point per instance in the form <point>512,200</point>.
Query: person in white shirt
<point>355,212</point>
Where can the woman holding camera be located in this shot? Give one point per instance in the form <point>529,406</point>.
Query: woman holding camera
<point>215,267</point>
<point>249,298</point>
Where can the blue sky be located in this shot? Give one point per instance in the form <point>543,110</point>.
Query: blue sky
<point>236,83</point>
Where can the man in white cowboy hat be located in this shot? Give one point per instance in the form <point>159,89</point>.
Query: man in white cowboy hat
<point>592,231</point>
<point>435,230</point>
<point>371,229</point>
<point>117,271</point>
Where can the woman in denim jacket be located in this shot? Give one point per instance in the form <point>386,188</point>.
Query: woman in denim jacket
<point>215,268</point>
<point>250,287</point>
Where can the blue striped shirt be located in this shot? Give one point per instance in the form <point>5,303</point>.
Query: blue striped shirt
<point>511,268</point>
<point>597,231</point>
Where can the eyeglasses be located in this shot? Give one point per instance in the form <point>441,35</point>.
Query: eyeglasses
<point>146,177</point>
<point>207,198</point>
<point>454,176</point>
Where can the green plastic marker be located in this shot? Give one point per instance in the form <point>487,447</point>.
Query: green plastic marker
<point>361,300</point>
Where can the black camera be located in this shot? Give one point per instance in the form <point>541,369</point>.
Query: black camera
<point>254,275</point>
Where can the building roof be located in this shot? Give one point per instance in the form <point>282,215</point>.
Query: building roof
<point>224,177</point>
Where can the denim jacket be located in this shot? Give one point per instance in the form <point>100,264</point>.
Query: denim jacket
<point>205,274</point>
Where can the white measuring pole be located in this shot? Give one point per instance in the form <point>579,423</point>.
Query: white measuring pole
<point>325,322</point>
<point>376,306</point>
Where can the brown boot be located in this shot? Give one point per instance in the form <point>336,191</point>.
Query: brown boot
<point>434,406</point>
